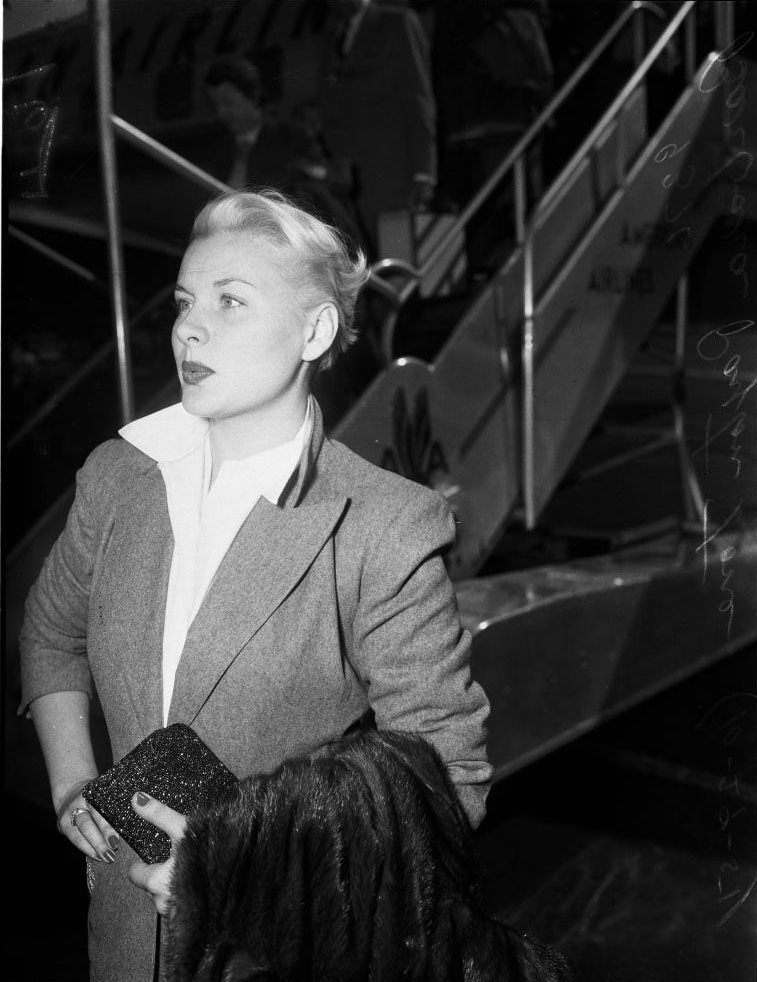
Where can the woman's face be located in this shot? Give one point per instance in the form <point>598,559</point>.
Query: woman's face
<point>240,339</point>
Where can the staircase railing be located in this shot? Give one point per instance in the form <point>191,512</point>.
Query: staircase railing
<point>684,18</point>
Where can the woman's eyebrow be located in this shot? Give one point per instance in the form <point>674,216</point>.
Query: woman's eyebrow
<point>233,279</point>
<point>182,289</point>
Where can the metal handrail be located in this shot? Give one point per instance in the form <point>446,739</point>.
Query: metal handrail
<point>60,221</point>
<point>528,343</point>
<point>516,154</point>
<point>57,257</point>
<point>173,161</point>
<point>391,265</point>
<point>640,72</point>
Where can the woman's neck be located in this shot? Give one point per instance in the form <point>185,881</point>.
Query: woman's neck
<point>238,437</point>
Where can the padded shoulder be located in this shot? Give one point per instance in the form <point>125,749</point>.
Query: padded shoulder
<point>112,467</point>
<point>367,483</point>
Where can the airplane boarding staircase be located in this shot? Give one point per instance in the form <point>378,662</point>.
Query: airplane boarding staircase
<point>497,419</point>
<point>499,416</point>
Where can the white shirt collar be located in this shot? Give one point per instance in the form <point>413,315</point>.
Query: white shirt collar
<point>171,434</point>
<point>267,472</point>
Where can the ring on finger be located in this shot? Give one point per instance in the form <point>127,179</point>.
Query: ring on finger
<point>76,813</point>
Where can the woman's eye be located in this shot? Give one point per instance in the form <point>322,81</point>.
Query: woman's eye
<point>228,301</point>
<point>181,304</point>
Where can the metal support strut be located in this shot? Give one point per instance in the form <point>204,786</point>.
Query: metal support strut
<point>692,493</point>
<point>100,14</point>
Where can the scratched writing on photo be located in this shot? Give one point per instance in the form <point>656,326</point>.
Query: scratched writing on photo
<point>729,347</point>
<point>30,125</point>
<point>730,724</point>
<point>724,450</point>
<point>728,444</point>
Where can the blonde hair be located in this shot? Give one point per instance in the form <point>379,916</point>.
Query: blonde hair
<point>323,265</point>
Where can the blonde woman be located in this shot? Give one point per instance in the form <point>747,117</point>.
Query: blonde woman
<point>228,566</point>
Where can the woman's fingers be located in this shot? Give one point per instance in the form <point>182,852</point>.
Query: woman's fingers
<point>74,815</point>
<point>87,830</point>
<point>155,878</point>
<point>86,835</point>
<point>107,831</point>
<point>159,815</point>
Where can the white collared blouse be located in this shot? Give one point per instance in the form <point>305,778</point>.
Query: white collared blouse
<point>205,518</point>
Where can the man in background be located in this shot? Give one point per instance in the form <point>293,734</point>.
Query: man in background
<point>377,106</point>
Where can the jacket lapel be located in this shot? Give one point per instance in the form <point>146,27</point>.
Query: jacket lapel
<point>272,552</point>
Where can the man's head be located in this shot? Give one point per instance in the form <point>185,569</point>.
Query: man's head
<point>235,90</point>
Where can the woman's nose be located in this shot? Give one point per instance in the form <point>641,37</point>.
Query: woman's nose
<point>191,330</point>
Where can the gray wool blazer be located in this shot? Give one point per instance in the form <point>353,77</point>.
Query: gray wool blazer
<point>334,601</point>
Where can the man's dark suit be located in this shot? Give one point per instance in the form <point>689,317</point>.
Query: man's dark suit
<point>378,108</point>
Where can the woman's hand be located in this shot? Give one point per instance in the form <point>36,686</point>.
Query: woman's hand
<point>155,878</point>
<point>85,827</point>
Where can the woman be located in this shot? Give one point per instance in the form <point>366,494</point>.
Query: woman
<point>227,566</point>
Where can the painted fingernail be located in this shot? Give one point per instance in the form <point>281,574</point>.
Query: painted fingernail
<point>142,798</point>
<point>113,840</point>
<point>109,856</point>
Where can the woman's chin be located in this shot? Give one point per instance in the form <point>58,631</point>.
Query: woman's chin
<point>192,400</point>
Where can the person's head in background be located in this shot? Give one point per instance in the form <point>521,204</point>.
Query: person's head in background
<point>236,91</point>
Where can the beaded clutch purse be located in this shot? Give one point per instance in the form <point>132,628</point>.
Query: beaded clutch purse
<point>175,767</point>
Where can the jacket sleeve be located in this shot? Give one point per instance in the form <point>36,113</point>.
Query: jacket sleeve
<point>53,638</point>
<point>410,651</point>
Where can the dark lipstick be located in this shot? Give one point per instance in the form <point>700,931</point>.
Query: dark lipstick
<point>193,372</point>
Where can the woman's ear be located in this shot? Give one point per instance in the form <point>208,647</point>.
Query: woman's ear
<point>322,327</point>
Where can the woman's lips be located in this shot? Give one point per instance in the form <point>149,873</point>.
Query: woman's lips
<point>193,372</point>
